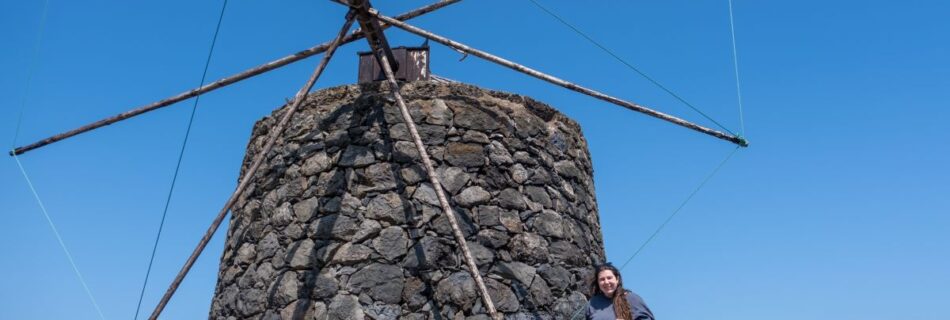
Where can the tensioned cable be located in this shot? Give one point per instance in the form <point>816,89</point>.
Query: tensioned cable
<point>673,214</point>
<point>735,63</point>
<point>31,70</point>
<point>181,154</point>
<point>26,91</point>
<point>59,238</point>
<point>680,207</point>
<point>624,62</point>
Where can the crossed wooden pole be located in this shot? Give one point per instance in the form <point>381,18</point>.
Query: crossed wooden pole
<point>372,24</point>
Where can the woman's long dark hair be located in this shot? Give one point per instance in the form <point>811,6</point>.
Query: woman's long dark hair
<point>619,300</point>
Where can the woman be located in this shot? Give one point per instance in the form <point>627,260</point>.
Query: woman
<point>610,301</point>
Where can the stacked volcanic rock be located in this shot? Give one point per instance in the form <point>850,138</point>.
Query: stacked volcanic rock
<point>341,221</point>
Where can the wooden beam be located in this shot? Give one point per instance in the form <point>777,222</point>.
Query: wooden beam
<point>382,51</point>
<point>258,159</point>
<point>552,79</point>
<point>220,83</point>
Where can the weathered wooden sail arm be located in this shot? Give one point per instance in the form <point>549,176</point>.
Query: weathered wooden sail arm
<point>382,51</point>
<point>560,82</point>
<point>223,82</point>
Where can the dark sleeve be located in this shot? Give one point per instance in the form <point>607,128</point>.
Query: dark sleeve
<point>638,307</point>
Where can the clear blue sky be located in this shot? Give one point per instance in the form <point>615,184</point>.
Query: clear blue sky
<point>840,209</point>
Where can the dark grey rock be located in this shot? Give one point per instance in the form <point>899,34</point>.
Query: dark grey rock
<point>548,223</point>
<point>387,207</point>
<point>567,169</point>
<point>475,118</point>
<point>356,156</point>
<point>414,292</point>
<point>392,243</point>
<point>465,154</point>
<point>334,226</point>
<point>512,199</point>
<point>488,215</point>
<point>405,151</point>
<point>514,270</point>
<point>493,238</point>
<point>502,296</point>
<point>430,253</point>
<point>482,255</point>
<point>322,285</point>
<point>529,247</point>
<point>377,177</point>
<point>557,277</point>
<point>539,195</point>
<point>382,282</point>
<point>458,289</point>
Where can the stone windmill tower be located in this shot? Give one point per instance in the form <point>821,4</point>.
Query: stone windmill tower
<point>343,222</point>
<point>420,199</point>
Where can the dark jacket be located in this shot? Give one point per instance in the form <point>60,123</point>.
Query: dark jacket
<point>602,308</point>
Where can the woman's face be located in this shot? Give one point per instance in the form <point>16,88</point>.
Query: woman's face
<point>607,281</point>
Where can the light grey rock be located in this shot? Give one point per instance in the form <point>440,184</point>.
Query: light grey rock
<point>304,210</point>
<point>518,173</point>
<point>498,154</point>
<point>425,194</point>
<point>529,247</point>
<point>368,228</point>
<point>475,136</point>
<point>316,163</point>
<point>349,254</point>
<point>453,179</point>
<point>472,196</point>
<point>302,255</point>
<point>283,216</point>
<point>512,221</point>
<point>246,254</point>
<point>344,307</point>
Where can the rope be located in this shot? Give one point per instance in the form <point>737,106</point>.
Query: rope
<point>23,100</point>
<point>735,63</point>
<point>630,66</point>
<point>670,217</point>
<point>59,238</point>
<point>31,70</point>
<point>181,154</point>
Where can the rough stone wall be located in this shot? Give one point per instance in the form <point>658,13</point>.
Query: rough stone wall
<point>343,224</point>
